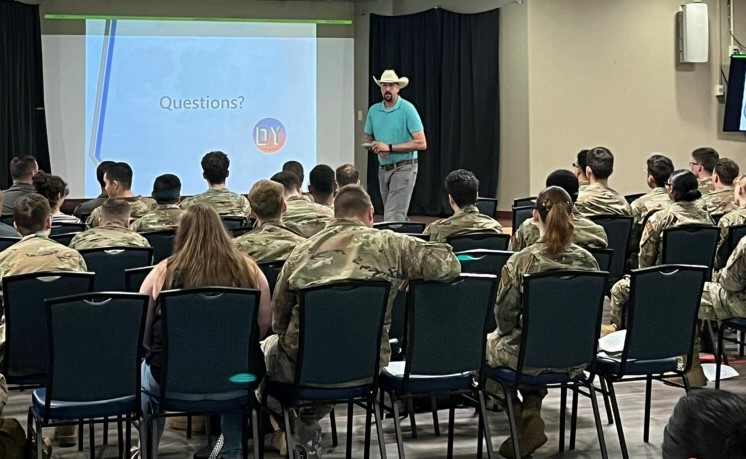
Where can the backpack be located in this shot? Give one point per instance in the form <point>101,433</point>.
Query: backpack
<point>12,439</point>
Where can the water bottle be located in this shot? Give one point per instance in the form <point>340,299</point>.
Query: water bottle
<point>307,435</point>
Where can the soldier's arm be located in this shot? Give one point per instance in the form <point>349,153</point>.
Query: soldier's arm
<point>508,304</point>
<point>733,277</point>
<point>427,260</point>
<point>649,242</point>
<point>283,300</point>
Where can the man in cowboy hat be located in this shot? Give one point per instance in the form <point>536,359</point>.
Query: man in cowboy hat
<point>395,131</point>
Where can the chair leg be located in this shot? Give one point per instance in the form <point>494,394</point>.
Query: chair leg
<point>607,404</point>
<point>597,419</point>
<point>741,342</point>
<point>486,424</point>
<point>648,396</point>
<point>189,427</point>
<point>618,420</point>
<point>288,436</point>
<point>434,408</point>
<point>348,441</point>
<point>367,429</point>
<point>397,426</point>
<point>105,440</point>
<point>128,433</point>
<point>120,437</point>
<point>480,433</point>
<point>379,429</point>
<point>574,416</point>
<point>81,426</point>
<point>719,353</point>
<point>255,432</point>
<point>451,424</point>
<point>333,422</point>
<point>563,413</point>
<point>511,421</point>
<point>92,439</point>
<point>412,422</point>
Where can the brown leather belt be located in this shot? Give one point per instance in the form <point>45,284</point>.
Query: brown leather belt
<point>406,162</point>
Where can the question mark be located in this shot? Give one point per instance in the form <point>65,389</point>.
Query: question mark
<point>241,99</point>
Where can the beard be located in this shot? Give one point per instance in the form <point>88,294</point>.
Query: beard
<point>387,96</point>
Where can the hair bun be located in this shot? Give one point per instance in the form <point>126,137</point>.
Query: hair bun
<point>691,195</point>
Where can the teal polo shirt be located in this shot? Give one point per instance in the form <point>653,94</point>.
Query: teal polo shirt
<point>392,126</point>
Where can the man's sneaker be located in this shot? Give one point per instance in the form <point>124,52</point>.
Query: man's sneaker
<point>215,454</point>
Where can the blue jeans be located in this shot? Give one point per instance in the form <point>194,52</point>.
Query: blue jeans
<point>232,424</point>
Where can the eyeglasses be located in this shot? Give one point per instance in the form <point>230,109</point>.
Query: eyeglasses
<point>692,163</point>
<point>668,183</point>
<point>575,165</point>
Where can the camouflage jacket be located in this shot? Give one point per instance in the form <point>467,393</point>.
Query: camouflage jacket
<point>109,235</point>
<point>718,202</point>
<point>139,205</point>
<point>304,217</point>
<point>651,242</point>
<point>728,286</point>
<point>165,216</point>
<point>465,220</point>
<point>582,186</point>
<point>599,200</point>
<point>705,185</point>
<point>347,249</point>
<point>586,234</point>
<point>270,241</point>
<point>503,345</point>
<point>36,253</point>
<point>732,218</point>
<point>641,207</point>
<point>226,203</point>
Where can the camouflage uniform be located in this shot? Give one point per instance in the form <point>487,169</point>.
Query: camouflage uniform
<point>641,207</point>
<point>705,185</point>
<point>270,241</point>
<point>108,235</point>
<point>599,200</point>
<point>304,217</point>
<point>582,186</point>
<point>718,202</point>
<point>503,344</point>
<point>226,203</point>
<point>651,247</point>
<point>165,216</point>
<point>344,250</point>
<point>139,206</point>
<point>725,296</point>
<point>35,253</point>
<point>732,218</point>
<point>586,234</point>
<point>465,220</point>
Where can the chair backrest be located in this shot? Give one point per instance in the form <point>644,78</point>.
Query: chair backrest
<point>398,324</point>
<point>603,257</point>
<point>484,262</point>
<point>349,355</point>
<point>485,240</point>
<point>447,324</point>
<point>632,197</point>
<point>62,228</point>
<point>93,347</point>
<point>26,342</point>
<point>6,242</point>
<point>110,263</point>
<point>232,223</point>
<point>208,337</point>
<point>63,238</point>
<point>487,206</point>
<point>618,229</point>
<point>271,270</point>
<point>134,277</point>
<point>690,244</point>
<point>240,231</point>
<point>520,215</point>
<point>162,243</point>
<point>8,219</point>
<point>525,202</point>
<point>662,312</point>
<point>401,227</point>
<point>424,237</point>
<point>735,234</point>
<point>560,330</point>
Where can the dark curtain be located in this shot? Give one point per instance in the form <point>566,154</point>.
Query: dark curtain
<point>23,127</point>
<point>451,61</point>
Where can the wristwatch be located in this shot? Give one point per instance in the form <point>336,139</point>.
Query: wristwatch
<point>391,148</point>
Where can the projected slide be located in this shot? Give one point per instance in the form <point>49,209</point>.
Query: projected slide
<point>160,94</point>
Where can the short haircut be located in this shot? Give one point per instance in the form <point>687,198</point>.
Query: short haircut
<point>215,167</point>
<point>166,189</point>
<point>660,168</point>
<point>22,167</point>
<point>582,160</point>
<point>347,174</point>
<point>287,180</point>
<point>100,170</point>
<point>31,213</point>
<point>706,157</point>
<point>116,210</point>
<point>322,179</point>
<point>296,168</point>
<point>351,201</point>
<point>266,198</point>
<point>601,162</point>
<point>727,170</point>
<point>565,180</point>
<point>50,186</point>
<point>121,173</point>
<point>463,187</point>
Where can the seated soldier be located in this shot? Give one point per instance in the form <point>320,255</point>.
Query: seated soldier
<point>347,174</point>
<point>328,257</point>
<point>111,230</point>
<point>462,187</point>
<point>271,240</point>
<point>721,200</point>
<point>586,234</point>
<point>702,165</point>
<point>22,171</point>
<point>302,216</point>
<point>167,213</point>
<point>735,217</point>
<point>322,185</point>
<point>579,169</point>
<point>215,170</point>
<point>85,208</point>
<point>598,198</point>
<point>118,184</point>
<point>297,168</point>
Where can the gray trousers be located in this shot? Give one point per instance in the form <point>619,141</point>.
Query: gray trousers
<point>396,191</point>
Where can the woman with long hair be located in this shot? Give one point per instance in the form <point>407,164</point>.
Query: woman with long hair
<point>732,218</point>
<point>554,250</point>
<point>204,255</point>
<point>55,190</point>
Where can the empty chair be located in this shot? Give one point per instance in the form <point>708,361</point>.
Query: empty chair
<point>232,223</point>
<point>134,277</point>
<point>484,262</point>
<point>486,240</point>
<point>63,238</point>
<point>618,228</point>
<point>271,270</point>
<point>487,206</point>
<point>525,202</point>
<point>110,263</point>
<point>162,243</point>
<point>6,242</point>
<point>521,214</point>
<point>61,228</point>
<point>401,227</point>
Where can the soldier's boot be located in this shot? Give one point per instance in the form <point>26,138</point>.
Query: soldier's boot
<point>66,436</point>
<point>695,375</point>
<point>531,435</point>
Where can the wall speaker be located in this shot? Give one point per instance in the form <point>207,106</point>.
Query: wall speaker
<point>694,43</point>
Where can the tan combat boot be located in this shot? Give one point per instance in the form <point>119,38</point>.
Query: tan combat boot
<point>531,435</point>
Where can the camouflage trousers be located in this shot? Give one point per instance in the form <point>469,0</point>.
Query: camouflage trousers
<point>498,356</point>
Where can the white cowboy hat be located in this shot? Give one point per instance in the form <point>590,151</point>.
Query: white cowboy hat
<point>389,76</point>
